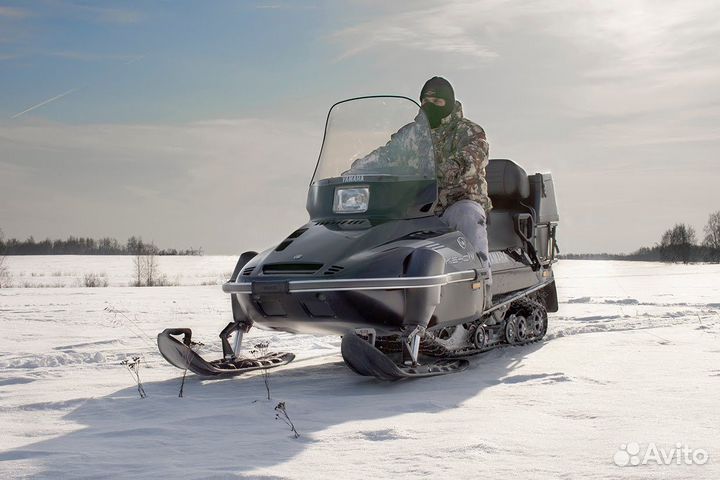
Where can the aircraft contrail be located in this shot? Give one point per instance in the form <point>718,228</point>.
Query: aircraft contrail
<point>45,102</point>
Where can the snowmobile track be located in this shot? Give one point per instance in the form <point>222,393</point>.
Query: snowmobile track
<point>365,359</point>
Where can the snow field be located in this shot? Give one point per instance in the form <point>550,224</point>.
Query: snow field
<point>633,355</point>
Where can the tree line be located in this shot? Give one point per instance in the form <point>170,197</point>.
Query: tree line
<point>87,246</point>
<point>677,244</point>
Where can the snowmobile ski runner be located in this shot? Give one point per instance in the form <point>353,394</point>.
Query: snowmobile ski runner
<point>183,356</point>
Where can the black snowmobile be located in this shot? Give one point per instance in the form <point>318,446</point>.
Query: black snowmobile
<point>375,265</point>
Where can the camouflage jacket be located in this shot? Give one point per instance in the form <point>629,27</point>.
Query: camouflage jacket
<point>461,155</point>
<point>409,152</point>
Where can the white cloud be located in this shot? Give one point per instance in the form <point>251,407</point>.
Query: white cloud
<point>618,98</point>
<point>607,62</point>
<point>630,38</point>
<point>435,29</point>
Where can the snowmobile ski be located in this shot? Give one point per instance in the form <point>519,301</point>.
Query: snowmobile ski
<point>181,355</point>
<point>367,360</point>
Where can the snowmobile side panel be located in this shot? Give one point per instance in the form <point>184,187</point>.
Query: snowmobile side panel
<point>421,303</point>
<point>514,279</point>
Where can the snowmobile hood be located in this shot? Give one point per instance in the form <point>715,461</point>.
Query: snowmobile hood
<point>338,255</point>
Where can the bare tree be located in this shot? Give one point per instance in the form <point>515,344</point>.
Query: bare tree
<point>146,272</point>
<point>151,265</point>
<point>677,243</point>
<point>138,262</point>
<point>712,231</point>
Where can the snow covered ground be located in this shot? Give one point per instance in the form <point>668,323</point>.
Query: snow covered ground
<point>632,359</point>
<point>53,271</point>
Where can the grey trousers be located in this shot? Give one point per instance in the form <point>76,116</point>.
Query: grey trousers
<point>469,218</point>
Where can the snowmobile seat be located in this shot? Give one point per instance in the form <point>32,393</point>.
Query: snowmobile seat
<point>507,181</point>
<point>501,231</point>
<point>508,187</point>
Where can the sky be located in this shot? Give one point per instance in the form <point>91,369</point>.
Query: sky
<point>199,123</point>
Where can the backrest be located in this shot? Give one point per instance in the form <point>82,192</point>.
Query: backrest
<point>506,180</point>
<point>508,185</point>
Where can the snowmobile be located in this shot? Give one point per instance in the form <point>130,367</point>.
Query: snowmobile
<point>375,265</point>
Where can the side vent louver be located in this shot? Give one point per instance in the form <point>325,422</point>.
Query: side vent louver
<point>333,270</point>
<point>248,270</point>
<point>423,235</point>
<point>291,268</point>
<point>297,233</point>
<point>285,243</point>
<point>347,224</point>
<point>342,222</point>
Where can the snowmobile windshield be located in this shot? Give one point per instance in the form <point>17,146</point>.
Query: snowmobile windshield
<point>380,138</point>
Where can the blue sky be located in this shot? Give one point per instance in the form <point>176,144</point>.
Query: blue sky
<point>170,61</point>
<point>198,123</point>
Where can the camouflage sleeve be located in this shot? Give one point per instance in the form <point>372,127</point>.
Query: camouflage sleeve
<point>386,156</point>
<point>473,153</point>
<point>370,160</point>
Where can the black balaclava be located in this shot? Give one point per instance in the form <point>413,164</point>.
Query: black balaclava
<point>437,87</point>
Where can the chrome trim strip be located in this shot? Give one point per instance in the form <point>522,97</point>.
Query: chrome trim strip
<point>361,283</point>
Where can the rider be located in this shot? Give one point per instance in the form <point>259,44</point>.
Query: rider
<point>461,153</point>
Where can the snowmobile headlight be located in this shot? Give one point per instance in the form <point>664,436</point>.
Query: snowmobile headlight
<point>351,199</point>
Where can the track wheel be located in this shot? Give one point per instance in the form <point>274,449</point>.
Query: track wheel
<point>480,337</point>
<point>521,329</point>
<point>511,330</point>
<point>538,323</point>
